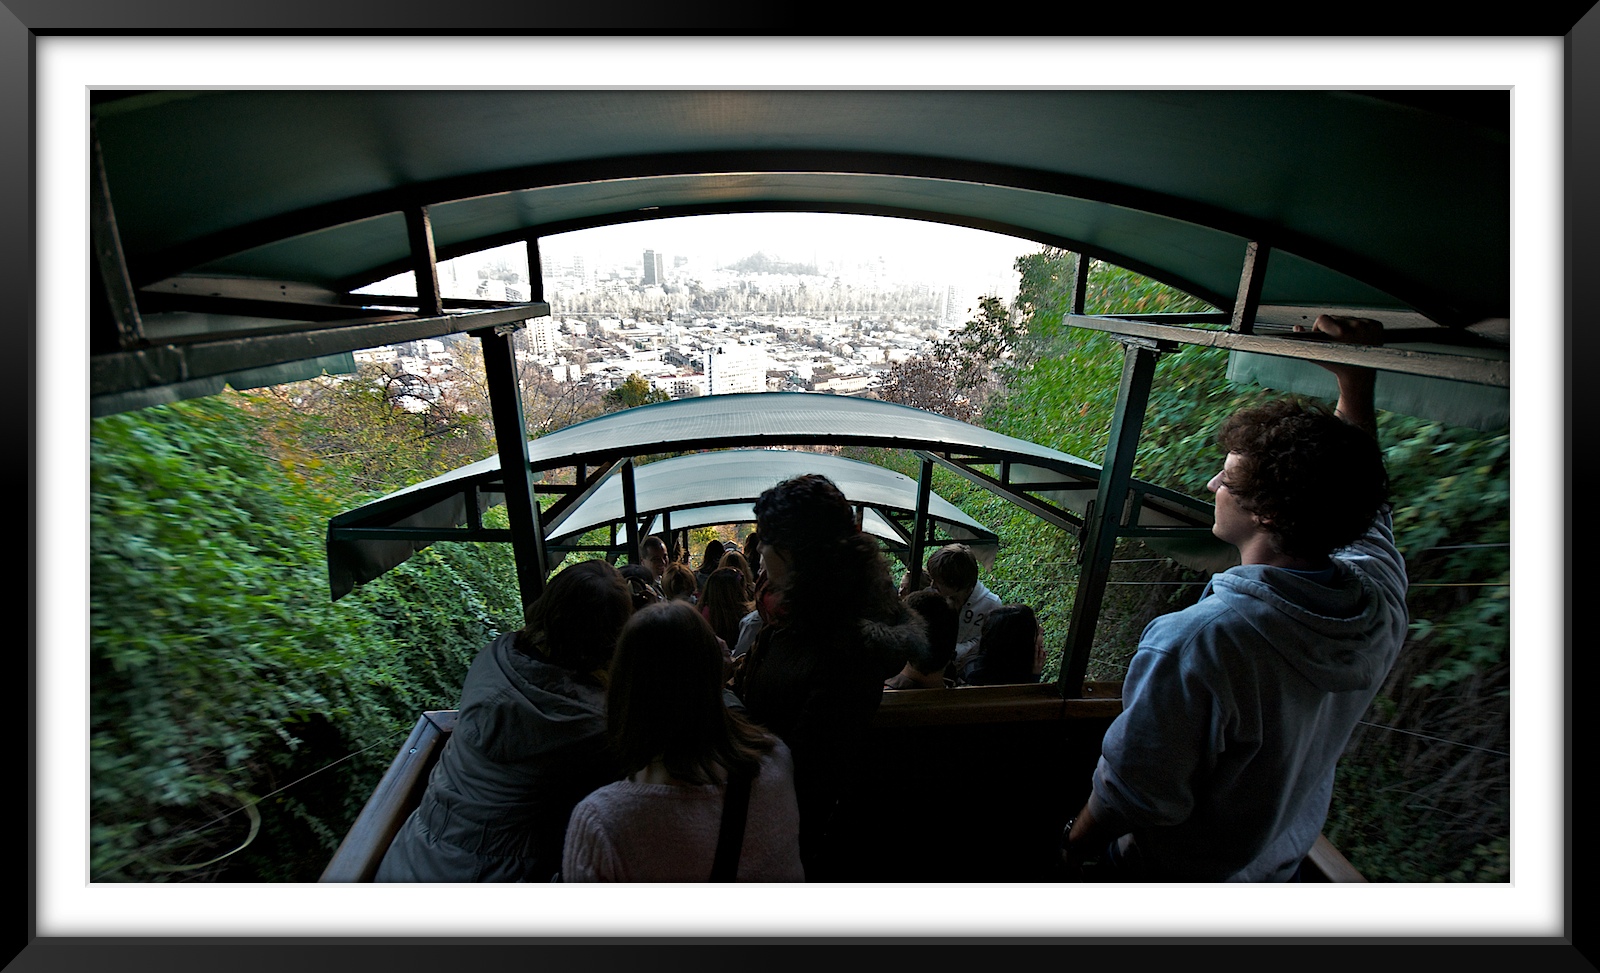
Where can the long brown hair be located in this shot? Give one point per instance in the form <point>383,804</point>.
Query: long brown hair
<point>732,558</point>
<point>574,623</point>
<point>665,699</point>
<point>713,554</point>
<point>726,602</point>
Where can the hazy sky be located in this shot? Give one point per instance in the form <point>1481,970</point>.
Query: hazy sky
<point>966,257</point>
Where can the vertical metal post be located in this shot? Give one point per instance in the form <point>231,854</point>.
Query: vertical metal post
<point>119,289</point>
<point>920,531</point>
<point>419,228</point>
<point>1100,528</point>
<point>535,269</point>
<point>666,530</point>
<point>1080,282</point>
<point>511,439</point>
<point>630,511</point>
<point>1250,278</point>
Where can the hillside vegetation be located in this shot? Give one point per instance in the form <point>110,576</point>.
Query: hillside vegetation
<point>240,718</point>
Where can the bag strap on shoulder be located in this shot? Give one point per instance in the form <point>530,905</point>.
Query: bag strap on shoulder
<point>735,805</point>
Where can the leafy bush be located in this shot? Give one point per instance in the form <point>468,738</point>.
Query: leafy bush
<point>221,672</point>
<point>1410,804</point>
<point>239,718</point>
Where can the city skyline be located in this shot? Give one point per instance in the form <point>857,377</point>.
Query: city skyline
<point>974,261</point>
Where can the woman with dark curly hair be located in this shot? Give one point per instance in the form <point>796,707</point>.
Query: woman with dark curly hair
<point>529,742</point>
<point>833,630</point>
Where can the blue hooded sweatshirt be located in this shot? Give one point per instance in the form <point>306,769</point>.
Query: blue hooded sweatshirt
<point>1236,709</point>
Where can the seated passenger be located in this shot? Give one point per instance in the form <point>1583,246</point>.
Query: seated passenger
<point>953,572</point>
<point>679,584</point>
<point>734,559</point>
<point>925,669</point>
<point>1011,650</point>
<point>529,743</point>
<point>708,562</point>
<point>752,553</point>
<point>724,603</point>
<point>653,555</point>
<point>686,756</point>
<point>642,584</point>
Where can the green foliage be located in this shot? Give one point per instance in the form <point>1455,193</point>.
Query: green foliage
<point>227,689</point>
<point>220,666</point>
<point>959,373</point>
<point>634,390</point>
<point>363,430</point>
<point>1403,811</point>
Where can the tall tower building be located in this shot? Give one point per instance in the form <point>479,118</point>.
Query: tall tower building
<point>653,273</point>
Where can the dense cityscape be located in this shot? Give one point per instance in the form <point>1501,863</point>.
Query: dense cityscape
<point>687,326</point>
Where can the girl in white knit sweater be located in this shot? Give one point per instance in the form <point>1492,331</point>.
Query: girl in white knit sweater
<point>679,744</point>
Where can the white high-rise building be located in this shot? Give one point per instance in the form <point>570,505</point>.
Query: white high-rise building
<point>736,368</point>
<point>541,337</point>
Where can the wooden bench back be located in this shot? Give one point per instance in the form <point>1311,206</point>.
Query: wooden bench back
<point>959,785</point>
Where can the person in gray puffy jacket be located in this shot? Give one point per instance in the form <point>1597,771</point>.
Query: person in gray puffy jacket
<point>529,743</point>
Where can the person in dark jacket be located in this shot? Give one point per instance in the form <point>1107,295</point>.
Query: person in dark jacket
<point>708,563</point>
<point>925,670</point>
<point>529,743</point>
<point>833,630</point>
<point>1010,650</point>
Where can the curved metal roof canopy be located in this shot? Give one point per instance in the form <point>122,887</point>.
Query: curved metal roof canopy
<point>232,227</point>
<point>1056,486</point>
<point>703,489</point>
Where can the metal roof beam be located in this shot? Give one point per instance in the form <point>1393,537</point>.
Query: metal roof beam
<point>587,484</point>
<point>425,534</point>
<point>172,363</point>
<point>1251,277</point>
<point>1312,347</point>
<point>919,532</point>
<point>424,262</point>
<point>1045,511</point>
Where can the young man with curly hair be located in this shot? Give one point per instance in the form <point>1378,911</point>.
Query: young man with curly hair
<point>1236,709</point>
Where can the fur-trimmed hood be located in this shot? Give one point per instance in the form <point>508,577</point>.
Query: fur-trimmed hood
<point>894,640</point>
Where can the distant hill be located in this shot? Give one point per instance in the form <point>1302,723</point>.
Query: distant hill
<point>760,263</point>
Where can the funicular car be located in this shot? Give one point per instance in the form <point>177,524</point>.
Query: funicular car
<point>216,272</point>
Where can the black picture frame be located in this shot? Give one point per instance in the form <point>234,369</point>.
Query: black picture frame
<point>22,20</point>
